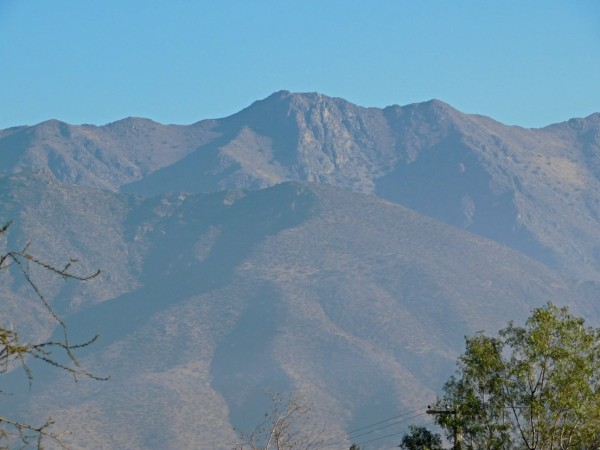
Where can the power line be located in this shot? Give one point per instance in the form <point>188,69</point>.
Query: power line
<point>391,434</point>
<point>389,425</point>
<point>369,426</point>
<point>377,429</point>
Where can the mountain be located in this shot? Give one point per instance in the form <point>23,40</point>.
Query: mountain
<point>206,300</point>
<point>534,190</point>
<point>303,244</point>
<point>104,157</point>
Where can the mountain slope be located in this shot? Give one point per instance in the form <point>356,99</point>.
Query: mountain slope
<point>287,288</point>
<point>103,157</point>
<point>534,190</point>
<point>302,137</point>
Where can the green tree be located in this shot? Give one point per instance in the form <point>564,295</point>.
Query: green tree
<point>420,438</point>
<point>531,387</point>
<point>58,352</point>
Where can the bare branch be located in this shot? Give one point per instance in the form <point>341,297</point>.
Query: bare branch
<point>288,426</point>
<point>12,349</point>
<point>30,433</point>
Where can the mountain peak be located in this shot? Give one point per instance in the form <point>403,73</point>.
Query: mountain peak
<point>434,103</point>
<point>433,106</point>
<point>132,122</point>
<point>52,123</point>
<point>301,99</point>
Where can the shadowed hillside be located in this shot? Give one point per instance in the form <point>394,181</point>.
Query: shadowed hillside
<point>206,300</point>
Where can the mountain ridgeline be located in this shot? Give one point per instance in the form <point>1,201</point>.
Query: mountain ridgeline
<point>304,244</point>
<point>533,190</point>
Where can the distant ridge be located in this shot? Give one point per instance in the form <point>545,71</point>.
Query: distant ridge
<point>535,190</point>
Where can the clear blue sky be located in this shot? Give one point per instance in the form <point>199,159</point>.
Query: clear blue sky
<point>529,63</point>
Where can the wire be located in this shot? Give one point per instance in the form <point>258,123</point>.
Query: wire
<point>349,435</point>
<point>371,425</point>
<point>387,426</point>
<point>389,435</point>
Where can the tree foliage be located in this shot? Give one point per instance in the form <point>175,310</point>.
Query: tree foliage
<point>59,352</point>
<point>531,387</point>
<point>420,438</point>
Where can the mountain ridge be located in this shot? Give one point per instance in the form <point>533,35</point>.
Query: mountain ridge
<point>303,244</point>
<point>503,182</point>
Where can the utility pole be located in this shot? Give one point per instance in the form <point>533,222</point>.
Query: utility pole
<point>455,429</point>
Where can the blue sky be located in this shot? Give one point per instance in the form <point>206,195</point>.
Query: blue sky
<point>529,63</point>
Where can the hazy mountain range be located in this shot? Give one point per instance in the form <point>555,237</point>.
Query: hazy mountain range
<point>304,244</point>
